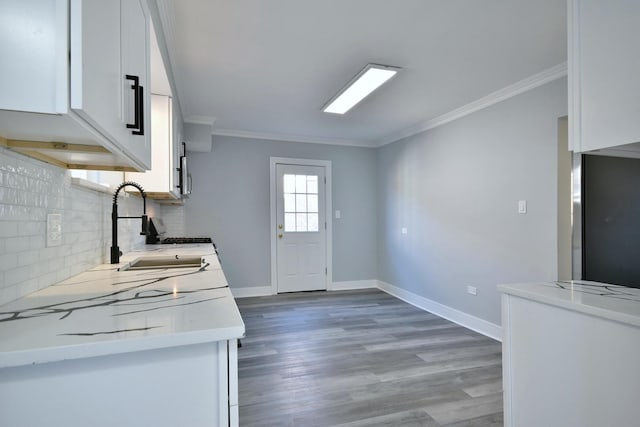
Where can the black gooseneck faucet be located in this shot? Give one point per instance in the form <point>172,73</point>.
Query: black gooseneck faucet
<point>115,250</point>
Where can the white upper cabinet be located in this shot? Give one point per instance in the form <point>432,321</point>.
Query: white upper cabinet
<point>158,182</point>
<point>161,180</point>
<point>85,65</point>
<point>604,75</point>
<point>178,138</point>
<point>33,46</point>
<point>135,65</point>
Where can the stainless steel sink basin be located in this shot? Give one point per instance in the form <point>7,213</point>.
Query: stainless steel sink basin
<point>150,263</point>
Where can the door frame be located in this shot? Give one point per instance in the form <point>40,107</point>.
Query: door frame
<point>273,220</point>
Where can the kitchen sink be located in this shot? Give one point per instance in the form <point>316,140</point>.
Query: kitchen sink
<point>151,263</point>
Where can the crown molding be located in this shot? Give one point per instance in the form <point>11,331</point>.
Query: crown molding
<point>290,138</point>
<point>503,94</point>
<point>201,120</point>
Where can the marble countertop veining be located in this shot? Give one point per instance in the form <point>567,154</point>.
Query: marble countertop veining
<point>105,311</point>
<point>613,302</point>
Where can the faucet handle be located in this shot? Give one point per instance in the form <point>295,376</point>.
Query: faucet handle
<point>145,225</point>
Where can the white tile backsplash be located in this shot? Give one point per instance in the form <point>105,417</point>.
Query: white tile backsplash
<point>29,190</point>
<point>173,217</point>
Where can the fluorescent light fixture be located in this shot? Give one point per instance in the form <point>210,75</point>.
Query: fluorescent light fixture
<point>365,82</point>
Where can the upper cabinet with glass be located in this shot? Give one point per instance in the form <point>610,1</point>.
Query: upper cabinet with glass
<point>75,82</point>
<point>604,77</point>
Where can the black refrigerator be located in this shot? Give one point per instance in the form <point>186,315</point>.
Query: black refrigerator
<point>611,220</point>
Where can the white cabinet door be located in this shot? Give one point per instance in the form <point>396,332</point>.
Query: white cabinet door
<point>134,48</point>
<point>109,41</point>
<point>95,65</point>
<point>178,138</point>
<point>566,368</point>
<point>604,73</point>
<point>157,181</point>
<point>33,48</point>
<point>69,59</point>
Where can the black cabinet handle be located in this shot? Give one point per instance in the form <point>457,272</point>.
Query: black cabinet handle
<point>138,123</point>
<point>140,109</point>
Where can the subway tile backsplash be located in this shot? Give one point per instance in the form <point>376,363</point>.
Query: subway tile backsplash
<point>29,190</point>
<point>174,220</point>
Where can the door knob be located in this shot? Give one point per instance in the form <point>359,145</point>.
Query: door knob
<point>280,236</point>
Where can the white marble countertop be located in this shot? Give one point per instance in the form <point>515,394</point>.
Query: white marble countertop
<point>105,311</point>
<point>613,302</point>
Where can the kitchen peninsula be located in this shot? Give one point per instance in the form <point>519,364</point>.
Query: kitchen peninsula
<point>117,346</point>
<point>571,353</point>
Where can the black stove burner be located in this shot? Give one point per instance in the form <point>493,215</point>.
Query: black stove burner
<point>183,240</point>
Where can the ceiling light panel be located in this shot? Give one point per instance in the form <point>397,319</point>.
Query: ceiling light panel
<point>369,79</point>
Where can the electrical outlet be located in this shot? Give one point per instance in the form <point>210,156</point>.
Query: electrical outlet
<point>472,290</point>
<point>403,230</point>
<point>54,230</point>
<point>522,206</point>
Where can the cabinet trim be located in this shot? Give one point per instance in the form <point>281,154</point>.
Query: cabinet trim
<point>32,149</point>
<point>574,77</point>
<point>54,145</point>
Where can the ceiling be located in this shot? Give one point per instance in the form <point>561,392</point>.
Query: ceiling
<point>265,69</point>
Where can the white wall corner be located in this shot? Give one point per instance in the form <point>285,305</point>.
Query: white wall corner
<point>353,284</point>
<point>254,291</point>
<point>198,136</point>
<point>474,323</point>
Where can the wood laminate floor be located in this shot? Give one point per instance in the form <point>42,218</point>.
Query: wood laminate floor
<point>363,358</point>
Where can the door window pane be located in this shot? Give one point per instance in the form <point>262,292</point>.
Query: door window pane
<point>289,202</point>
<point>312,184</point>
<point>300,203</point>
<point>289,183</point>
<point>301,222</point>
<point>312,203</point>
<point>289,222</point>
<point>301,183</point>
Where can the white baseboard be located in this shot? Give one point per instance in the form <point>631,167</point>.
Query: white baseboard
<point>260,291</point>
<point>463,319</point>
<point>256,291</point>
<point>354,284</point>
<point>468,321</point>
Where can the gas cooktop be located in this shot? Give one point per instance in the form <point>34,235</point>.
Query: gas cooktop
<point>183,240</point>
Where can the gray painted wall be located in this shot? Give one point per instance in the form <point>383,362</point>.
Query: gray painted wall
<point>230,202</point>
<point>456,189</point>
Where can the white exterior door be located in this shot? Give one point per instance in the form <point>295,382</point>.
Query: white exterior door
<point>301,228</point>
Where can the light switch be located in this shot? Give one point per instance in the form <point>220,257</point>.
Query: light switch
<point>338,214</point>
<point>522,206</point>
<point>54,230</point>
<point>404,230</point>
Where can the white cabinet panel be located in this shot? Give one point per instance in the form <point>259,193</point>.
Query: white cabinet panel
<point>566,368</point>
<point>166,387</point>
<point>68,59</point>
<point>33,48</point>
<point>135,62</point>
<point>95,64</point>
<point>604,73</point>
<point>158,181</point>
<point>178,138</point>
